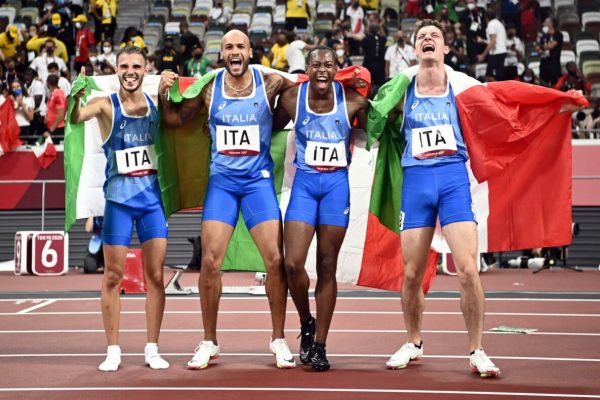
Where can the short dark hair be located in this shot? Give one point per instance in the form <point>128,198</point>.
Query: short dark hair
<point>432,22</point>
<point>52,80</point>
<point>52,65</point>
<point>319,48</point>
<point>132,50</point>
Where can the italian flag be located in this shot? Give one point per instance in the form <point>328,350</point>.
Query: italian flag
<point>519,147</point>
<point>9,129</point>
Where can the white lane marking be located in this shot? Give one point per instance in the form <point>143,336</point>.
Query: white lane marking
<point>283,389</point>
<point>37,306</point>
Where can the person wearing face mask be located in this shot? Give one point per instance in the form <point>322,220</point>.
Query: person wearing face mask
<point>10,74</point>
<point>528,76</point>
<point>550,47</point>
<point>197,66</point>
<point>341,57</point>
<point>107,55</point>
<point>168,58</point>
<point>40,63</point>
<point>61,28</point>
<point>24,107</point>
<point>473,21</point>
<point>514,53</point>
<point>187,41</point>
<point>573,79</point>
<point>63,83</point>
<point>373,46</point>
<point>399,56</point>
<point>84,39</point>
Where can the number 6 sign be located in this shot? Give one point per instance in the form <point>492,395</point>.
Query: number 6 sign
<point>41,253</point>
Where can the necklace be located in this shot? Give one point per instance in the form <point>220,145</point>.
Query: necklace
<point>237,90</point>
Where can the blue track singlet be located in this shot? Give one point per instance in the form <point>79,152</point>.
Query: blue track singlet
<point>240,129</point>
<point>432,129</point>
<point>322,140</point>
<point>131,161</point>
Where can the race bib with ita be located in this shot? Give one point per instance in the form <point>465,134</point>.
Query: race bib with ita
<point>237,141</point>
<point>136,161</point>
<point>325,157</point>
<point>433,141</point>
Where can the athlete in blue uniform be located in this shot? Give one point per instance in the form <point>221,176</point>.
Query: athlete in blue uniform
<point>436,184</point>
<point>240,101</point>
<point>128,120</point>
<point>320,201</point>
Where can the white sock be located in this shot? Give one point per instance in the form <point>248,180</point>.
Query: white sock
<point>152,358</point>
<point>113,359</point>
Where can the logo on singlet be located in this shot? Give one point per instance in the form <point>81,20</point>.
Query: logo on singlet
<point>123,125</point>
<point>306,120</point>
<point>415,104</point>
<point>222,105</point>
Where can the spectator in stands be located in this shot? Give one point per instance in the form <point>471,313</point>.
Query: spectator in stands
<point>428,9</point>
<point>573,79</point>
<point>258,55</point>
<point>412,9</point>
<point>37,43</point>
<point>473,23</point>
<point>151,65</point>
<point>104,12</point>
<point>219,15</point>
<point>187,41</point>
<point>63,83</point>
<point>40,63</point>
<point>168,58</point>
<point>61,28</point>
<point>514,53</point>
<point>592,121</point>
<point>446,10</point>
<point>10,73</point>
<point>495,50</point>
<point>295,53</point>
<point>341,56</point>
<point>36,89</point>
<point>373,46</point>
<point>399,56</point>
<point>107,55</point>
<point>550,47</point>
<point>197,65</point>
<point>456,56</point>
<point>277,56</point>
<point>356,33</point>
<point>9,41</point>
<point>529,21</point>
<point>84,39</point>
<point>24,107</point>
<point>528,76</point>
<point>296,15</point>
<point>511,13</point>
<point>133,37</point>
<point>57,108</point>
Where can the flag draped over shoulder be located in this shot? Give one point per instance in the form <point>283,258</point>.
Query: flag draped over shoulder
<point>9,129</point>
<point>520,155</point>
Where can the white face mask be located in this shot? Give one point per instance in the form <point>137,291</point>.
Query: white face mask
<point>339,52</point>
<point>93,59</point>
<point>471,6</point>
<point>545,29</point>
<point>106,50</point>
<point>78,25</point>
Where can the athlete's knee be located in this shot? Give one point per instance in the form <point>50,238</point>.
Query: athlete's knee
<point>154,278</point>
<point>327,268</point>
<point>273,260</point>
<point>412,277</point>
<point>468,276</point>
<point>112,278</point>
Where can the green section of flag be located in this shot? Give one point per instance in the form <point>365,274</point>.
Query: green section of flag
<point>74,149</point>
<point>386,193</point>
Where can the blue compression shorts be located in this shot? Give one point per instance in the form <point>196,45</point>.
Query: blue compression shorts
<point>429,191</point>
<point>150,223</point>
<point>226,194</point>
<point>320,198</point>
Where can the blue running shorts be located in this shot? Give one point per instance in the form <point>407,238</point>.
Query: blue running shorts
<point>150,223</point>
<point>256,197</point>
<point>320,198</point>
<point>429,191</point>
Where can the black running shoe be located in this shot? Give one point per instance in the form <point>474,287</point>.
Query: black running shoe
<point>307,339</point>
<point>318,358</point>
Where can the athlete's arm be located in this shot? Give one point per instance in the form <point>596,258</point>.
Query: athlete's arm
<point>91,110</point>
<point>286,108</point>
<point>357,106</point>
<point>175,115</point>
<point>396,111</point>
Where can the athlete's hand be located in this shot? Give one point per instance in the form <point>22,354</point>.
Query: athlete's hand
<point>167,79</point>
<point>81,93</point>
<point>357,81</point>
<point>574,104</point>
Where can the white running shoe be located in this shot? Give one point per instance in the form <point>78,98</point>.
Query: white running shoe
<point>407,353</point>
<point>283,355</point>
<point>152,358</point>
<point>482,365</point>
<point>205,351</point>
<point>113,359</point>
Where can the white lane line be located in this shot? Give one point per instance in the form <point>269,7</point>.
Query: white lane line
<point>292,331</point>
<point>341,298</point>
<point>269,355</point>
<point>37,306</point>
<point>300,389</point>
<point>506,314</point>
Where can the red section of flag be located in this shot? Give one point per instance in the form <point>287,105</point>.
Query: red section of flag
<point>520,143</point>
<point>45,153</point>
<point>9,129</point>
<point>382,266</point>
